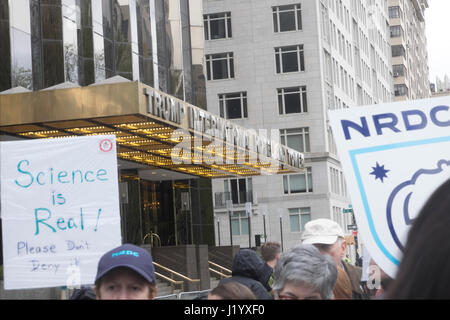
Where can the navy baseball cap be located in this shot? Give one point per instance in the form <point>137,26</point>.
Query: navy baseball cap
<point>129,256</point>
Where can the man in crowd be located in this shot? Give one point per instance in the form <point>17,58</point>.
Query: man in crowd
<point>328,237</point>
<point>250,270</point>
<point>126,272</point>
<point>303,273</point>
<point>270,253</point>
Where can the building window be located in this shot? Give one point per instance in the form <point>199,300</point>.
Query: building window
<point>220,66</point>
<point>290,59</point>
<point>399,70</point>
<point>396,31</point>
<point>298,183</point>
<point>233,105</point>
<point>287,18</point>
<point>298,217</point>
<point>400,90</point>
<point>297,139</point>
<point>394,12</point>
<point>292,100</point>
<point>239,223</point>
<point>241,190</point>
<point>217,26</point>
<point>398,50</point>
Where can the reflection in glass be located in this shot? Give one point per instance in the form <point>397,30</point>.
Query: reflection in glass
<point>144,41</point>
<point>132,21</point>
<point>108,38</point>
<point>197,53</point>
<point>121,25</point>
<point>97,16</point>
<point>21,59</point>
<point>20,46</point>
<point>99,58</point>
<point>20,15</point>
<point>69,10</point>
<point>85,34</point>
<point>173,33</point>
<point>170,61</point>
<point>123,58</point>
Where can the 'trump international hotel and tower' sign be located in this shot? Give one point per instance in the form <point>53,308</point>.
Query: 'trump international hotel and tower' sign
<point>213,127</point>
<point>151,128</point>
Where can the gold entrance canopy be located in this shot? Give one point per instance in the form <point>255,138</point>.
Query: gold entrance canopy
<point>151,128</point>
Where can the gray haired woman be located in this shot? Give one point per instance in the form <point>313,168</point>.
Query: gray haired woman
<point>304,273</point>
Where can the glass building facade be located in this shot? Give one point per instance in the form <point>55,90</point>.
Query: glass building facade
<point>47,42</point>
<point>44,43</point>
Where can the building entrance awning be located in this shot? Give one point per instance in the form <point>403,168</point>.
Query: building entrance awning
<point>151,128</point>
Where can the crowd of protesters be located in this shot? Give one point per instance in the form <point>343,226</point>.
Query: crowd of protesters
<point>314,269</point>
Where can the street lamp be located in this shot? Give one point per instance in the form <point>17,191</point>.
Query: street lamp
<point>218,229</point>
<point>280,213</point>
<point>264,224</point>
<point>230,211</point>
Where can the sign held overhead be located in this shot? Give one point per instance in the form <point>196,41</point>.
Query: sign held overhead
<point>60,209</point>
<point>394,156</point>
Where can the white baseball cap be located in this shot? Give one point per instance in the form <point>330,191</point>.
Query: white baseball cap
<point>323,231</point>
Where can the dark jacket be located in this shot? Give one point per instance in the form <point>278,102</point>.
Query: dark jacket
<point>250,270</point>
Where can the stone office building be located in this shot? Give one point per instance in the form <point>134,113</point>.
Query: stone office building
<point>281,66</point>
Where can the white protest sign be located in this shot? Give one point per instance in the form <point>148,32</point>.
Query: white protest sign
<point>60,209</point>
<point>394,156</point>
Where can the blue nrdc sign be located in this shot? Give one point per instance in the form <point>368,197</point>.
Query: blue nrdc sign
<point>393,155</point>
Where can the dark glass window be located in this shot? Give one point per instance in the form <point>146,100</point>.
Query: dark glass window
<point>109,58</point>
<point>287,18</point>
<point>107,19</point>
<point>144,42</point>
<point>144,28</point>
<point>220,66</point>
<point>4,10</point>
<point>298,183</point>
<point>51,22</point>
<point>241,190</point>
<point>121,25</point>
<point>292,100</point>
<point>5,54</point>
<point>399,70</point>
<point>400,90</point>
<point>396,31</point>
<point>290,59</point>
<point>398,50</point>
<point>53,62</point>
<point>233,105</point>
<point>297,139</point>
<point>123,57</point>
<point>394,12</point>
<point>217,26</point>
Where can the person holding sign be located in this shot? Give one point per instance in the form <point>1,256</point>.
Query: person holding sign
<point>126,272</point>
<point>424,269</point>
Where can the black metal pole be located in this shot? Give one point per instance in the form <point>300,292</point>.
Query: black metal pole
<point>231,232</point>
<point>356,237</point>
<point>264,222</point>
<point>249,233</point>
<point>281,230</point>
<point>218,230</point>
